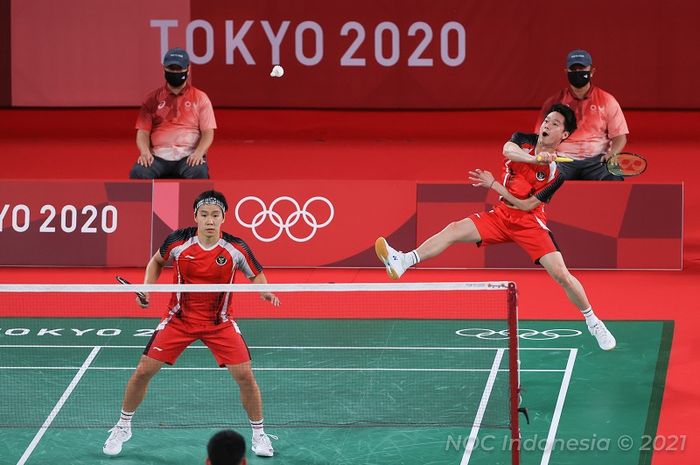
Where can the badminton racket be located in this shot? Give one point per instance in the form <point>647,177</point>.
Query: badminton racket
<point>141,296</point>
<point>626,164</point>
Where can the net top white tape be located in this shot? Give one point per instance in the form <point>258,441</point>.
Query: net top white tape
<point>323,287</point>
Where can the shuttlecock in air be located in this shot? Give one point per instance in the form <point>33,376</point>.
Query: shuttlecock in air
<point>277,71</point>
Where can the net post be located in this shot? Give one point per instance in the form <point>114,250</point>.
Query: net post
<point>513,373</point>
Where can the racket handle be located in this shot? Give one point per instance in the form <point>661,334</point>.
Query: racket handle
<point>558,159</point>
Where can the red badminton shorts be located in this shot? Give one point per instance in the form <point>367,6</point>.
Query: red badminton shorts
<point>503,224</point>
<point>172,336</point>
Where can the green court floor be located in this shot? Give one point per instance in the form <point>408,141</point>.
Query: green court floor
<point>337,392</point>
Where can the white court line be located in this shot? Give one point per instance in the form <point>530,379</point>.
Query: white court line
<point>558,408</point>
<point>291,369</point>
<point>402,348</point>
<point>482,407</point>
<point>22,346</point>
<point>485,370</point>
<point>59,405</point>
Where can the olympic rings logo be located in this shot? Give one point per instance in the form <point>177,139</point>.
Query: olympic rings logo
<point>528,334</point>
<point>284,225</point>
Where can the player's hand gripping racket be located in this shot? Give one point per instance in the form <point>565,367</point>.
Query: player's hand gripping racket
<point>143,300</point>
<point>626,164</point>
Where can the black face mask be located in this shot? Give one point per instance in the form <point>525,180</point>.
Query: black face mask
<point>579,79</point>
<point>176,79</point>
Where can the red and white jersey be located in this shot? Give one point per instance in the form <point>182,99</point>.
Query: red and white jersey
<point>176,121</point>
<point>598,116</point>
<point>196,264</point>
<point>524,180</point>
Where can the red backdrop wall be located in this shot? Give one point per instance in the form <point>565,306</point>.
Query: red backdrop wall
<point>361,54</point>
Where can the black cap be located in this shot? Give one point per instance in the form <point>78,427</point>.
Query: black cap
<point>578,57</point>
<point>178,57</point>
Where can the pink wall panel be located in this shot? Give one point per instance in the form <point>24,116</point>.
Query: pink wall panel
<point>316,223</point>
<point>597,225</point>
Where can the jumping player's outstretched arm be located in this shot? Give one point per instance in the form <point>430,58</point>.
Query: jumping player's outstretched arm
<point>513,152</point>
<point>480,178</point>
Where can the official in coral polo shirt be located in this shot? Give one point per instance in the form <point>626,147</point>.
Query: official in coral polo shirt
<point>175,126</point>
<point>602,129</point>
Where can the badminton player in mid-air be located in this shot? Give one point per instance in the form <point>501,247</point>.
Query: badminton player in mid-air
<point>531,178</point>
<point>201,255</point>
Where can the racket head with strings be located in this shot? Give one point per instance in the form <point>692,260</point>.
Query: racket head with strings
<point>142,297</point>
<point>626,164</point>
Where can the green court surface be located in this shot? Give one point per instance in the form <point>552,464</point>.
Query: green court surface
<point>337,392</point>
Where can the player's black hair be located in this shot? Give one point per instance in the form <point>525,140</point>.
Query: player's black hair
<point>567,113</point>
<point>211,194</point>
<point>226,448</point>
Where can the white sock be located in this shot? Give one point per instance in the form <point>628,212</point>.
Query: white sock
<point>591,319</point>
<point>411,258</point>
<point>125,419</point>
<point>258,426</point>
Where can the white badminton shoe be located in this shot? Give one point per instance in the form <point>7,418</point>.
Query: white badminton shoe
<point>262,446</point>
<point>392,258</point>
<point>119,435</point>
<point>605,339</point>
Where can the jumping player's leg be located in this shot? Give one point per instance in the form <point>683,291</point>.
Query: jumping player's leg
<point>397,262</point>
<point>252,403</point>
<point>458,231</point>
<point>553,262</point>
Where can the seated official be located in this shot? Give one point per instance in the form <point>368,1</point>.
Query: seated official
<point>175,126</point>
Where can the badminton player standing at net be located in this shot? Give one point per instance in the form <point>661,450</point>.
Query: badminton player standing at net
<point>530,180</point>
<point>201,255</point>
